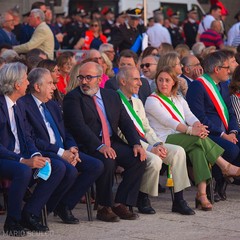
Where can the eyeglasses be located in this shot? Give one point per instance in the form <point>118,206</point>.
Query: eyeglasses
<point>111,51</point>
<point>147,65</point>
<point>88,78</point>
<point>225,67</point>
<point>10,20</point>
<point>94,25</point>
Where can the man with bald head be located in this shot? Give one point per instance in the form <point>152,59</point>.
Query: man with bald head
<point>192,68</point>
<point>212,37</point>
<point>157,152</point>
<point>93,116</point>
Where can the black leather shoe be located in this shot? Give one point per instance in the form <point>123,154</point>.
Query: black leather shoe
<point>220,188</point>
<point>144,204</point>
<point>66,215</point>
<point>14,228</point>
<point>32,222</point>
<point>182,208</point>
<point>216,197</point>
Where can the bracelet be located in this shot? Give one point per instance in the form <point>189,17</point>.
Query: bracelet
<point>189,131</point>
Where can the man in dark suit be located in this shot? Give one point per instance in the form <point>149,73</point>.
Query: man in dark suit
<point>192,68</point>
<point>129,58</point>
<point>93,116</point>
<point>129,34</point>
<point>209,100</point>
<point>65,149</point>
<point>6,35</point>
<point>18,155</point>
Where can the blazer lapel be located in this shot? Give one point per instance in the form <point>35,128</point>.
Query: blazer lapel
<point>54,116</point>
<point>35,110</point>
<point>3,105</point>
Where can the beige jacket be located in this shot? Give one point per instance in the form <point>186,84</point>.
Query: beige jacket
<point>42,38</point>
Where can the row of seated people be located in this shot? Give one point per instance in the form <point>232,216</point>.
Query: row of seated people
<point>34,133</point>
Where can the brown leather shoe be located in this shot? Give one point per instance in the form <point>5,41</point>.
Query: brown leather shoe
<point>123,212</point>
<point>107,215</point>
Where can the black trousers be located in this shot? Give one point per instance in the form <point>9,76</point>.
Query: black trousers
<point>128,189</point>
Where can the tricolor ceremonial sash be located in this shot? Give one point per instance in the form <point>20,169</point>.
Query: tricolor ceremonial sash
<point>133,115</point>
<point>216,98</point>
<point>170,107</point>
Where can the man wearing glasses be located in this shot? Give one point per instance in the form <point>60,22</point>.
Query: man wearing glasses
<point>209,100</point>
<point>148,69</point>
<point>93,116</point>
<point>6,35</point>
<point>192,68</point>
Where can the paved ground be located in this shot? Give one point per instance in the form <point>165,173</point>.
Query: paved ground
<point>221,223</point>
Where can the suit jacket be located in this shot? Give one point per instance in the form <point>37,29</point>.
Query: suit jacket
<point>125,36</point>
<point>38,128</point>
<point>4,39</point>
<point>42,38</point>
<point>150,135</point>
<point>82,120</point>
<point>144,90</point>
<point>7,139</point>
<point>187,79</point>
<point>203,108</point>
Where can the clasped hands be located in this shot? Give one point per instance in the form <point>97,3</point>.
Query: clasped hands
<point>200,130</point>
<point>71,155</point>
<point>160,151</point>
<point>109,152</point>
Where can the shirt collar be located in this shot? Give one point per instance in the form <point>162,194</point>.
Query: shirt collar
<point>9,102</point>
<point>38,102</point>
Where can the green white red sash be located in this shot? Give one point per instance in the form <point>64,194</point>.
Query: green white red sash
<point>170,107</point>
<point>216,98</point>
<point>133,115</point>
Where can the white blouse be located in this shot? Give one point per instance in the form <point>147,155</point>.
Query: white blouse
<point>161,120</point>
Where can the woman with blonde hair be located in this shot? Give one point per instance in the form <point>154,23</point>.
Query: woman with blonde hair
<point>172,60</point>
<point>73,81</point>
<point>173,122</point>
<point>107,65</point>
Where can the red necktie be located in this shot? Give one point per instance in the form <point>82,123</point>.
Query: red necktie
<point>105,133</point>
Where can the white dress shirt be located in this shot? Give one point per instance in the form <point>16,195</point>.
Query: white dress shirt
<point>158,34</point>
<point>13,124</point>
<point>48,126</point>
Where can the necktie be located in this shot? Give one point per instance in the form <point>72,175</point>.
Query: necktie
<point>19,130</point>
<point>53,125</point>
<point>105,133</point>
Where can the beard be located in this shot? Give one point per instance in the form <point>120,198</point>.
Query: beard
<point>89,91</point>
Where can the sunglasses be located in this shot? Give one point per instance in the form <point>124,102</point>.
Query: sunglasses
<point>94,25</point>
<point>147,65</point>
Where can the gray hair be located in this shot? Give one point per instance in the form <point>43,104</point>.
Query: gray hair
<point>198,48</point>
<point>105,47</point>
<point>2,18</point>
<point>96,65</point>
<point>10,74</point>
<point>9,55</point>
<point>36,75</point>
<point>158,17</point>
<point>38,13</point>
<point>212,60</point>
<point>124,73</point>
